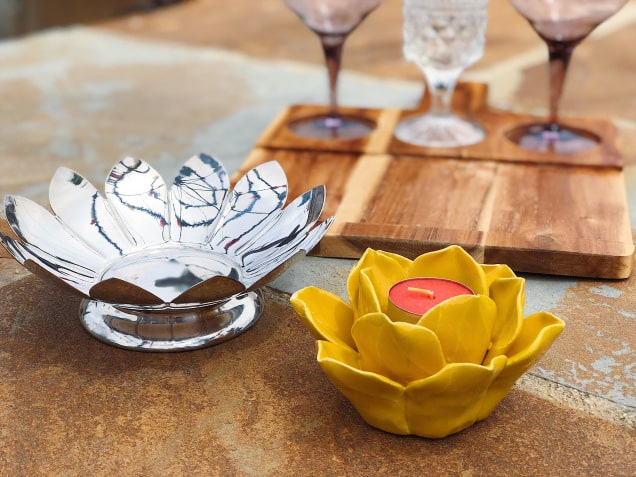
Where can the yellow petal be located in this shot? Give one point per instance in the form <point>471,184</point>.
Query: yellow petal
<point>538,332</point>
<point>454,263</point>
<point>496,271</point>
<point>463,325</point>
<point>391,265</point>
<point>326,315</point>
<point>509,295</point>
<point>537,335</point>
<point>378,400</point>
<point>337,352</point>
<point>383,276</point>
<point>400,351</point>
<point>368,300</point>
<point>402,262</point>
<point>450,400</point>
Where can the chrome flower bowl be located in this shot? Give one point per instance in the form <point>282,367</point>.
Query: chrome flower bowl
<point>166,269</point>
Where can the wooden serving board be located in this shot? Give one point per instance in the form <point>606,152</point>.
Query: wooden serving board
<point>539,213</point>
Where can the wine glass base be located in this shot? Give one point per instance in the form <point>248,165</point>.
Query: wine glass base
<point>544,137</point>
<point>431,130</point>
<point>332,127</point>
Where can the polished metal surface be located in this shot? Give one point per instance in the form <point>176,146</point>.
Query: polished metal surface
<point>171,332</point>
<point>148,249</point>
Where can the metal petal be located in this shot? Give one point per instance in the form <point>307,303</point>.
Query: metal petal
<point>316,234</point>
<point>277,271</point>
<point>138,195</point>
<point>289,231</point>
<point>50,267</point>
<point>212,289</point>
<point>256,200</point>
<point>197,199</point>
<point>83,210</point>
<point>115,290</point>
<point>302,211</point>
<point>34,225</point>
<point>262,261</point>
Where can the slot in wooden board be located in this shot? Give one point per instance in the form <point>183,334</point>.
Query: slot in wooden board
<point>552,215</point>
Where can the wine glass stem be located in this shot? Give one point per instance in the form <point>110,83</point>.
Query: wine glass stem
<point>332,47</point>
<point>441,85</point>
<point>559,55</point>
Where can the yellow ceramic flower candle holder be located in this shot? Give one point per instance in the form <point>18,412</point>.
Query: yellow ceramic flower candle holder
<point>441,374</point>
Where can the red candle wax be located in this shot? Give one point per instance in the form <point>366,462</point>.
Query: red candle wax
<point>411,298</point>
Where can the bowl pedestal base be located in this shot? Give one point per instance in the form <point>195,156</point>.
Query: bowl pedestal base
<point>175,330</point>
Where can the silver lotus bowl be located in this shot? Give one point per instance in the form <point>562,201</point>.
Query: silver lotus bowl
<point>166,269</point>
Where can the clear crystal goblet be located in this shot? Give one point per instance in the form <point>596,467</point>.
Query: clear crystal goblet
<point>443,38</point>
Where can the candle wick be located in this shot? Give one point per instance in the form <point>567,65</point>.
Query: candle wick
<point>430,294</point>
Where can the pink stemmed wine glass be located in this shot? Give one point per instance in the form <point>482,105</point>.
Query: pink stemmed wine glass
<point>332,21</point>
<point>562,24</point>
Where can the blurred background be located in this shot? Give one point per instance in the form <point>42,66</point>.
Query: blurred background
<point>18,17</point>
<point>600,82</point>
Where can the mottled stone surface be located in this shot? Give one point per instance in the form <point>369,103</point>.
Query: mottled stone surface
<point>597,355</point>
<point>84,99</point>
<point>256,405</point>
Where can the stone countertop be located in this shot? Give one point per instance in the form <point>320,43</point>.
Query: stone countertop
<point>84,97</point>
<point>256,405</point>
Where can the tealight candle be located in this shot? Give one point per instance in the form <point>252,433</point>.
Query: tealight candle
<point>409,299</point>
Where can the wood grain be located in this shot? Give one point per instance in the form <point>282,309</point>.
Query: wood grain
<point>539,213</point>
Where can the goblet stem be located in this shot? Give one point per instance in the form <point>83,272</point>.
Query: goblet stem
<point>551,136</point>
<point>439,127</point>
<point>441,85</point>
<point>332,46</point>
<point>559,54</point>
<point>332,125</point>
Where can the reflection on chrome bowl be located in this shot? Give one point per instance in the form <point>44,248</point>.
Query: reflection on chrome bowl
<point>160,268</point>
